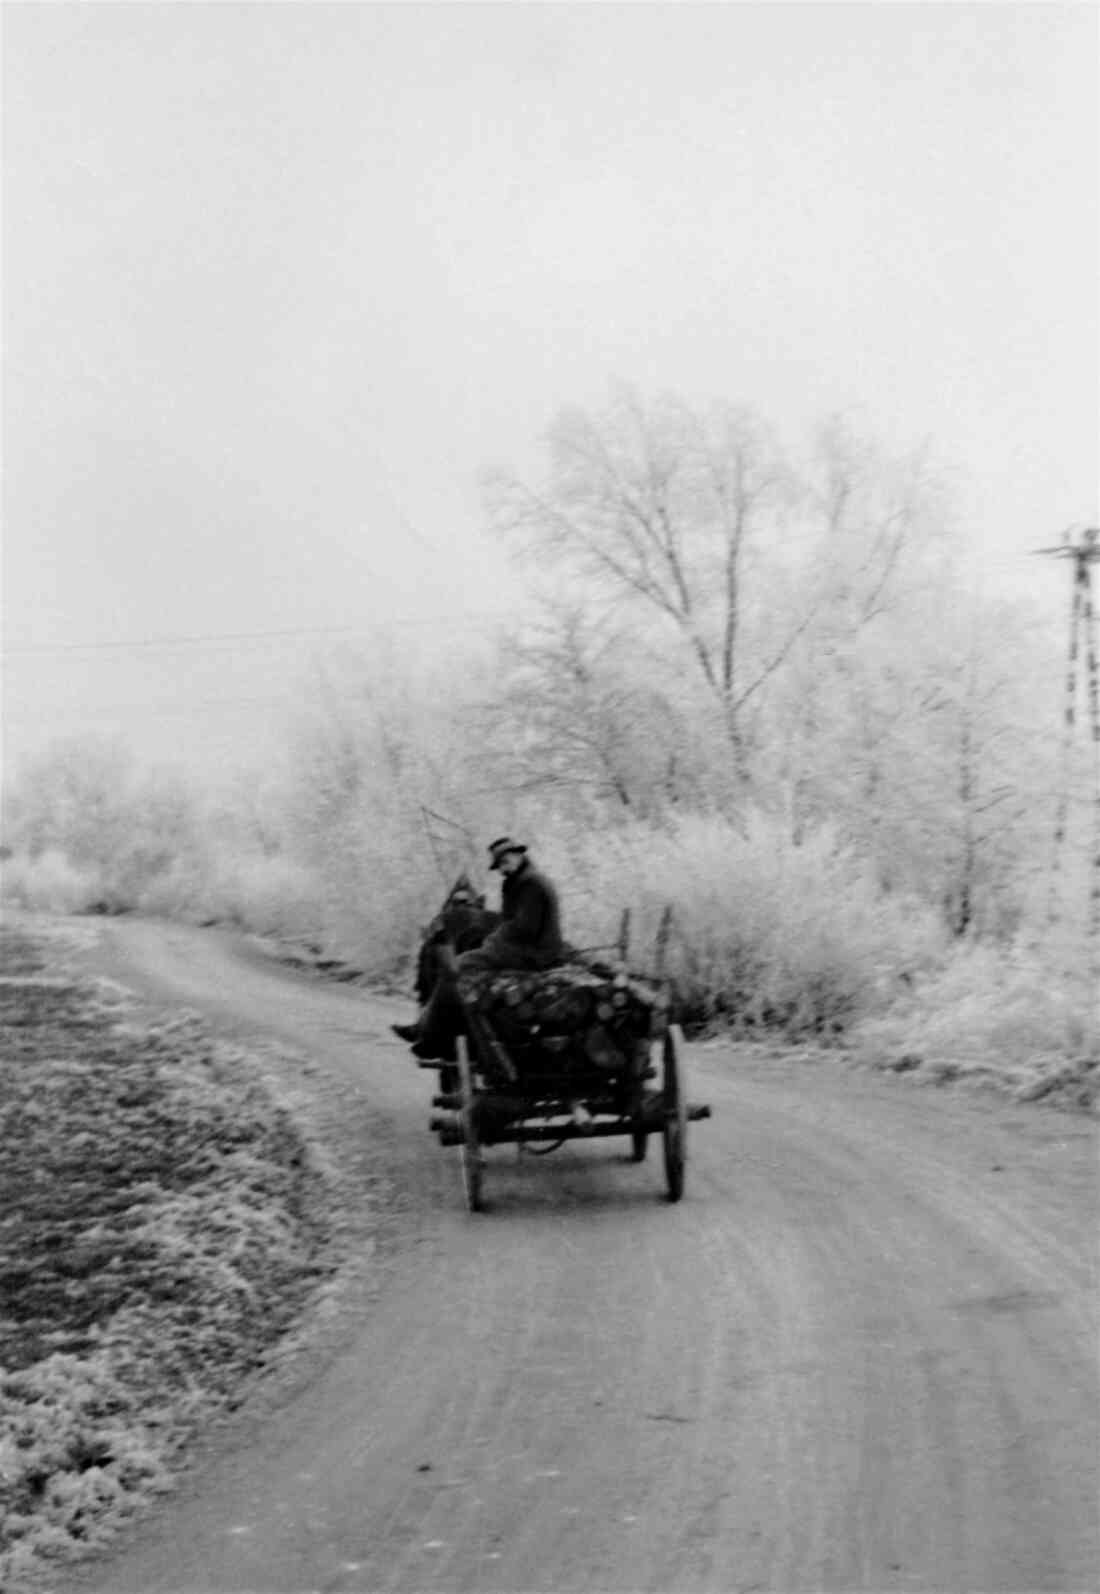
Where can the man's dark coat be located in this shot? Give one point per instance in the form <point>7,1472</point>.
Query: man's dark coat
<point>530,935</point>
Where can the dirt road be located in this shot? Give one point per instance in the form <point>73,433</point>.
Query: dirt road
<point>860,1354</point>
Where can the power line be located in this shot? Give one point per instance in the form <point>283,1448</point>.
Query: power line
<point>115,711</point>
<point>206,638</point>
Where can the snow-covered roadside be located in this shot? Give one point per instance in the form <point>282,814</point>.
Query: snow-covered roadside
<point>163,1222</point>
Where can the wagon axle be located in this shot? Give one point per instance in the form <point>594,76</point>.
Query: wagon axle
<point>448,1125</point>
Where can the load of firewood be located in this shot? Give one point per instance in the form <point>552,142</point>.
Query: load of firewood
<point>608,1011</point>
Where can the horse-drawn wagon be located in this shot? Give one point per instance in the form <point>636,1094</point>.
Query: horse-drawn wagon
<point>580,1051</point>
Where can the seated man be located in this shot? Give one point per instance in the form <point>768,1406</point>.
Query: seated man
<point>528,937</point>
<point>462,923</point>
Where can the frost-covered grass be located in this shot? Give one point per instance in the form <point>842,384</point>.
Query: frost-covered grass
<point>159,1227</point>
<point>1017,1017</point>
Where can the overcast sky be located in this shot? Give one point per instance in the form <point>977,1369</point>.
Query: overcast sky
<point>281,279</point>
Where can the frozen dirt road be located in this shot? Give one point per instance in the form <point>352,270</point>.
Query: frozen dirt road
<point>860,1354</point>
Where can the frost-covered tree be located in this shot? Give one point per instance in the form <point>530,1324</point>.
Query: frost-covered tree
<point>656,507</point>
<point>694,531</point>
<point>123,832</point>
<point>585,718</point>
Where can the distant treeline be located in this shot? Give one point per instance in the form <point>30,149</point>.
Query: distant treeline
<point>747,686</point>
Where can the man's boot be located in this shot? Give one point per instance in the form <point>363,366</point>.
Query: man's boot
<point>439,1048</point>
<point>406,1032</point>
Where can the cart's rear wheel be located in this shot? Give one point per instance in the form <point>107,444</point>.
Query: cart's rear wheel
<point>639,1136</point>
<point>473,1163</point>
<point>675,1105</point>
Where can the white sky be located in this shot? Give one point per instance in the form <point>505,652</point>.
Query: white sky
<point>280,279</point>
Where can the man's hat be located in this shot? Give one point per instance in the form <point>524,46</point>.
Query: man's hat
<point>500,848</point>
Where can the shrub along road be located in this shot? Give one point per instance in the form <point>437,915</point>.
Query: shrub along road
<point>860,1354</point>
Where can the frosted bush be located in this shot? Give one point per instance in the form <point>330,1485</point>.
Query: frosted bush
<point>1014,1013</point>
<point>270,895</point>
<point>87,830</point>
<point>370,885</point>
<point>49,883</point>
<point>764,931</point>
<point>376,909</point>
<point>182,890</point>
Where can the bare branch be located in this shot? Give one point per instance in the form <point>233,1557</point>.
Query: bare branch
<point>774,663</point>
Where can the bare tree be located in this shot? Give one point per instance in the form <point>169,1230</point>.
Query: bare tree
<point>877,527</point>
<point>659,505</point>
<point>575,718</point>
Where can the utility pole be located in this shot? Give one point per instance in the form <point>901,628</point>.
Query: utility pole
<point>1083,553</point>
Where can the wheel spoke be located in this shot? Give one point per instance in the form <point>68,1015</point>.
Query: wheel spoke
<point>675,1105</point>
<point>472,1160</point>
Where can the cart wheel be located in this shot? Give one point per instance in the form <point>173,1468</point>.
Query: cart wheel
<point>639,1137</point>
<point>675,1132</point>
<point>473,1163</point>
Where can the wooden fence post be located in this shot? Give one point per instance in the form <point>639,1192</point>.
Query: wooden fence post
<point>663,930</point>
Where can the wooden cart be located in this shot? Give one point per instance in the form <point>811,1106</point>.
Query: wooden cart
<point>539,1090</point>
